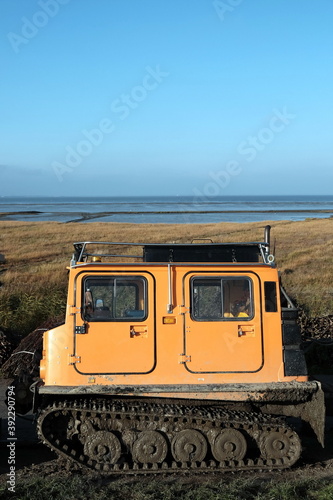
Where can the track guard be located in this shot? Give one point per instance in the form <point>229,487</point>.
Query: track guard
<point>311,411</point>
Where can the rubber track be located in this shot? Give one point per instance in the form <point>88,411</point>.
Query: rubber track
<point>149,415</point>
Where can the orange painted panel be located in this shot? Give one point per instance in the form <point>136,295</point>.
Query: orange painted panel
<point>191,344</point>
<point>228,343</point>
<point>126,345</point>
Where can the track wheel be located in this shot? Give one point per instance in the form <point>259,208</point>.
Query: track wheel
<point>280,444</point>
<point>229,444</point>
<point>103,447</point>
<point>150,448</point>
<point>189,445</point>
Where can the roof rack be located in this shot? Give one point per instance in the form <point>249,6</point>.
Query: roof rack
<point>181,252</point>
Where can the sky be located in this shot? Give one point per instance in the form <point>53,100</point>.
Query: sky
<point>173,97</point>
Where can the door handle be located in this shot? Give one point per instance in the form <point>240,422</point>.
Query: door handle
<point>246,330</point>
<point>138,331</point>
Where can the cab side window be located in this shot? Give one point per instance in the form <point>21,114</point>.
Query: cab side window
<point>114,299</point>
<point>216,298</point>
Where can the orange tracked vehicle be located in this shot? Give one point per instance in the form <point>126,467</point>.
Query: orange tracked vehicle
<point>181,356</point>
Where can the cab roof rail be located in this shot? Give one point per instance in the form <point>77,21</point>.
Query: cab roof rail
<point>255,251</point>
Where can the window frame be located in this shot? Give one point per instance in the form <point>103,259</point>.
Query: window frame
<point>115,279</point>
<point>221,280</point>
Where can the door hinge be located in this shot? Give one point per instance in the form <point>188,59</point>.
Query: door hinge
<point>184,358</point>
<point>74,359</point>
<point>75,310</point>
<point>81,329</point>
<point>183,309</point>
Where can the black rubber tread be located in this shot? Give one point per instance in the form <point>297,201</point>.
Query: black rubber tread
<point>66,425</point>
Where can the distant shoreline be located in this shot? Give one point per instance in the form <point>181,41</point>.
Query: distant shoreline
<point>86,216</point>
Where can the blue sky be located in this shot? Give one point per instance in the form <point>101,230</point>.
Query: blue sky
<point>151,97</point>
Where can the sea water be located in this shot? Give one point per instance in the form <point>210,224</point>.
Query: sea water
<point>166,209</point>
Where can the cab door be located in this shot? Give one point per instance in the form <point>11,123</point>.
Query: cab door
<point>115,329</point>
<point>223,331</point>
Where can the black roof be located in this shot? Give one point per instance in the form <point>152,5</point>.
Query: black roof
<point>201,253</point>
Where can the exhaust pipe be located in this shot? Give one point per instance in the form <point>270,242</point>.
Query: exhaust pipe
<point>267,237</point>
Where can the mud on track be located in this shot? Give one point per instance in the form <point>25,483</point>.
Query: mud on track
<point>33,459</point>
<point>36,461</point>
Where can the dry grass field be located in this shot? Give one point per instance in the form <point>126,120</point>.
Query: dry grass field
<point>34,278</point>
<point>33,289</point>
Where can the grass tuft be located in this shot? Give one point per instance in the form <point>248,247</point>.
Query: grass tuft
<point>79,487</point>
